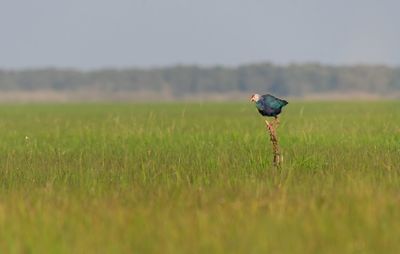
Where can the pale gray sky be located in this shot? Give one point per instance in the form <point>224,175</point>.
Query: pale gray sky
<point>144,33</point>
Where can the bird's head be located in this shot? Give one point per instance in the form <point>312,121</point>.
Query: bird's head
<point>255,97</point>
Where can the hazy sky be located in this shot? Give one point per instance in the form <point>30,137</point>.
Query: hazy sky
<point>144,33</point>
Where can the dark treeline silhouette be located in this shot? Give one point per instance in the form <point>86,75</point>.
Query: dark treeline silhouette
<point>178,81</point>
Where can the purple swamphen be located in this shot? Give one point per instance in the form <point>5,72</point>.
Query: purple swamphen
<point>268,105</point>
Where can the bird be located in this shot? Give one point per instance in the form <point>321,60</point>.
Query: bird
<point>268,105</point>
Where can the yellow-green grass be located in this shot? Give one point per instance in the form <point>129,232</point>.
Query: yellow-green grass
<point>198,178</point>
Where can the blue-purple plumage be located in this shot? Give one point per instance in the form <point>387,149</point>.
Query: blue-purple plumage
<point>269,105</point>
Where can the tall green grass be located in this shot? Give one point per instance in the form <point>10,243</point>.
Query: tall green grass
<point>198,178</point>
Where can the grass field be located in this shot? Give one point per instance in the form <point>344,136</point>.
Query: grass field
<point>198,178</point>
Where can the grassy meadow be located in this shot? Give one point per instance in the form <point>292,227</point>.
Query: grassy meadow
<point>198,178</point>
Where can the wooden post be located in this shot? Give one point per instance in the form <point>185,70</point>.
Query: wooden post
<point>274,140</point>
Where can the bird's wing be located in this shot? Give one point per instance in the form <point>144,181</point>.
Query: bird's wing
<point>273,102</point>
<point>260,105</point>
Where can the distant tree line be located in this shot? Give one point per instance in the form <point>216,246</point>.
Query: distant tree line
<point>293,80</point>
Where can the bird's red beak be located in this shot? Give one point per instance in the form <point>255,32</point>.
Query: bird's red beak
<point>252,98</point>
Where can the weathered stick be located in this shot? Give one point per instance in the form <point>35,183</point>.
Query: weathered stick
<point>274,141</point>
